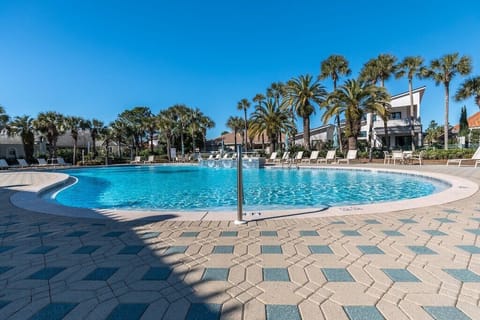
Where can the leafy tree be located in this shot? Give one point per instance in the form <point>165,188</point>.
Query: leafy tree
<point>3,118</point>
<point>463,131</point>
<point>74,124</point>
<point>95,126</point>
<point>443,70</point>
<point>355,99</point>
<point>166,124</point>
<point>302,94</point>
<point>334,67</point>
<point>23,126</point>
<point>433,132</point>
<point>235,124</point>
<point>52,124</point>
<point>410,67</point>
<point>469,88</point>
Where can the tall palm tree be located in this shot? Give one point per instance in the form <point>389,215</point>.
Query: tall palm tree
<point>244,104</point>
<point>302,94</point>
<point>74,124</point>
<point>235,124</point>
<point>52,124</point>
<point>23,126</point>
<point>271,120</point>
<point>410,67</point>
<point>355,99</point>
<point>205,124</point>
<point>150,125</point>
<point>334,67</point>
<point>3,118</point>
<point>469,88</point>
<point>182,118</point>
<point>443,70</point>
<point>95,126</point>
<point>166,124</point>
<point>258,100</point>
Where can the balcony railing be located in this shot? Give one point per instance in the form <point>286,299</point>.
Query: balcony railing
<point>395,123</point>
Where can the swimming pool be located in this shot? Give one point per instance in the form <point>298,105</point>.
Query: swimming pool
<point>193,188</point>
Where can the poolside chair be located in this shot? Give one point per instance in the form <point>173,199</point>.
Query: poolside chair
<point>272,158</point>
<point>476,157</point>
<point>3,164</point>
<point>22,163</point>
<point>42,162</point>
<point>298,157</point>
<point>313,157</point>
<point>137,159</point>
<point>285,157</point>
<point>151,159</point>
<point>351,155</point>
<point>418,157</point>
<point>397,155</point>
<point>61,162</point>
<point>387,156</point>
<point>210,157</point>
<point>331,156</point>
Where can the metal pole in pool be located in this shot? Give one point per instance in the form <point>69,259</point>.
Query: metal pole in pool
<point>239,187</point>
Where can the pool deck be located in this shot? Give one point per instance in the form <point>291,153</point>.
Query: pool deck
<point>402,262</point>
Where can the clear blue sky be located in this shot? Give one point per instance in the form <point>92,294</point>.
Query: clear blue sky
<point>97,58</point>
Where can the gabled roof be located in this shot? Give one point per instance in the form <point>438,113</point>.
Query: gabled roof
<point>473,122</point>
<point>420,90</point>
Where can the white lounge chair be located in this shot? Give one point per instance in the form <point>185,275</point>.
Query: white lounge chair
<point>351,155</point>
<point>42,162</point>
<point>137,159</point>
<point>22,163</point>
<point>476,157</point>
<point>3,164</point>
<point>151,159</point>
<point>331,156</point>
<point>61,162</point>
<point>298,157</point>
<point>284,158</point>
<point>273,156</point>
<point>313,157</point>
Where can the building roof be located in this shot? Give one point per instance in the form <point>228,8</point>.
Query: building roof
<point>473,122</point>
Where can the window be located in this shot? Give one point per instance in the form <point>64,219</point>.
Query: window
<point>395,115</point>
<point>374,118</point>
<point>363,134</point>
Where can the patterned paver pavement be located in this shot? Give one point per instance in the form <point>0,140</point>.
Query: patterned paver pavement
<point>413,264</point>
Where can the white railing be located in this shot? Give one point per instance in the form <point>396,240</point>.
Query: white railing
<point>394,123</point>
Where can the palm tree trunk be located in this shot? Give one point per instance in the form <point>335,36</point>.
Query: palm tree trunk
<point>246,135</point>
<point>151,143</point>
<point>387,137</point>
<point>412,127</point>
<point>352,143</point>
<point>74,160</point>
<point>263,143</point>
<point>306,132</point>
<point>445,127</point>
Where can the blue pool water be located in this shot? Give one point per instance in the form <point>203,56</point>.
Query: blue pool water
<point>192,188</point>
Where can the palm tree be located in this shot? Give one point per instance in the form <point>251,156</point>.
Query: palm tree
<point>410,67</point>
<point>443,70</point>
<point>52,124</point>
<point>270,120</point>
<point>355,99</point>
<point>150,126</point>
<point>258,100</point>
<point>244,104</point>
<point>3,118</point>
<point>302,94</point>
<point>182,119</point>
<point>205,124</point>
<point>23,126</point>
<point>469,88</point>
<point>235,124</point>
<point>74,124</point>
<point>334,67</point>
<point>95,127</point>
<point>166,123</point>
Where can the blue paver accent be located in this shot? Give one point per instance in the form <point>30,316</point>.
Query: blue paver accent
<point>450,211</point>
<point>76,234</point>
<point>444,220</point>
<point>42,249</point>
<point>400,275</point>
<point>282,312</point>
<point>445,313</point>
<point>38,224</point>
<point>113,234</point>
<point>228,234</point>
<point>393,233</point>
<point>148,235</point>
<point>370,250</point>
<point>476,219</point>
<point>275,274</point>
<point>223,249</point>
<point>204,311</point>
<point>3,303</point>
<point>338,222</point>
<point>6,248</point>
<point>86,250</point>
<point>131,250</point>
<point>4,269</point>
<point>469,248</point>
<point>271,249</point>
<point>176,249</point>
<point>54,311</point>
<point>308,233</point>
<point>7,234</point>
<point>474,231</point>
<point>157,273</point>
<point>68,224</point>
<point>363,313</point>
<point>337,275</point>
<point>435,233</point>
<point>189,234</point>
<point>46,273</point>
<point>6,224</point>
<point>215,274</point>
<point>371,221</point>
<point>268,234</point>
<point>38,234</point>
<point>421,250</point>
<point>320,249</point>
<point>463,275</point>
<point>407,221</point>
<point>128,311</point>
<point>101,274</point>
<point>350,233</point>
<point>98,224</point>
